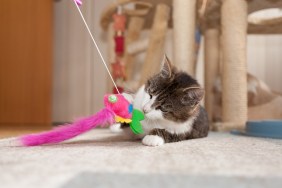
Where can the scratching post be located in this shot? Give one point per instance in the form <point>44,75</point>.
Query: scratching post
<point>138,46</point>
<point>155,51</point>
<point>211,51</point>
<point>133,33</point>
<point>234,81</point>
<point>111,53</point>
<point>184,18</point>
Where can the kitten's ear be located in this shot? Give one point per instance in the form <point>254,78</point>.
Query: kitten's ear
<point>166,70</point>
<point>192,95</point>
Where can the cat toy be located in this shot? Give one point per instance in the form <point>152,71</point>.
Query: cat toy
<point>117,110</point>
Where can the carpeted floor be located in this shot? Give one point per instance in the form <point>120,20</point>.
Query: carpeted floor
<point>104,159</point>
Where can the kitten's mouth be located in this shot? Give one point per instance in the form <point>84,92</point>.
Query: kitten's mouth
<point>146,115</point>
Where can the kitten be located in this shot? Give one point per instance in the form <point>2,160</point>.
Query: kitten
<point>170,101</point>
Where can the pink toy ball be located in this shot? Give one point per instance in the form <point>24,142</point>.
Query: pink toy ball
<point>78,2</point>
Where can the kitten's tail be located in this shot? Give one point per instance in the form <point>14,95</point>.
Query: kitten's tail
<point>69,131</point>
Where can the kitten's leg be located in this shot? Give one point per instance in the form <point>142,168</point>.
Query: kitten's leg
<point>116,128</point>
<point>153,140</point>
<point>127,132</point>
<point>158,137</point>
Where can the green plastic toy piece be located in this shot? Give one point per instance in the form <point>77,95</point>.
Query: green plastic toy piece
<point>135,124</point>
<point>112,99</point>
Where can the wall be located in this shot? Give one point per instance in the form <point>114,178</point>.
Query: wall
<point>80,78</point>
<point>265,59</point>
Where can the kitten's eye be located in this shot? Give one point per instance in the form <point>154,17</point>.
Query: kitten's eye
<point>166,107</point>
<point>192,103</point>
<point>151,96</point>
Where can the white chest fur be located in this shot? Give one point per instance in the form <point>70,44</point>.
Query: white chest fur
<point>169,126</point>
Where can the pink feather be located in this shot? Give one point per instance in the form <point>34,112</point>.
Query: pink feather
<point>69,131</point>
<point>78,2</point>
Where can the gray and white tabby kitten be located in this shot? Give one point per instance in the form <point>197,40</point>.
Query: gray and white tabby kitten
<point>170,101</point>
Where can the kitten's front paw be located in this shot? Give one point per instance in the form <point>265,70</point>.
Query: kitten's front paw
<point>115,128</point>
<point>153,140</point>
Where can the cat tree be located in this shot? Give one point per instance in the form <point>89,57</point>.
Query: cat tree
<point>224,25</point>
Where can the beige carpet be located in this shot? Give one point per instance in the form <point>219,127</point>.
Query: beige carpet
<point>105,159</point>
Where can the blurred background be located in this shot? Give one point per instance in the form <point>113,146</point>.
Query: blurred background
<point>51,72</point>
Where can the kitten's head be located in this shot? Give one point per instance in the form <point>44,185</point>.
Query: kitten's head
<point>171,94</point>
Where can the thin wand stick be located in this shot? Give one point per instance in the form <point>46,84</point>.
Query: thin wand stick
<point>96,45</point>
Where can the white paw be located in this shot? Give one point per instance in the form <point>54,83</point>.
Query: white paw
<point>153,140</point>
<point>115,128</point>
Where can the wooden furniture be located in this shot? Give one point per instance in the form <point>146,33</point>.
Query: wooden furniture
<point>154,15</point>
<point>224,24</point>
<point>25,63</point>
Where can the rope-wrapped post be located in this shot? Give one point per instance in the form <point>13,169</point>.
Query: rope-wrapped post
<point>133,33</point>
<point>155,51</point>
<point>110,53</point>
<point>234,80</point>
<point>184,18</point>
<point>211,55</point>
